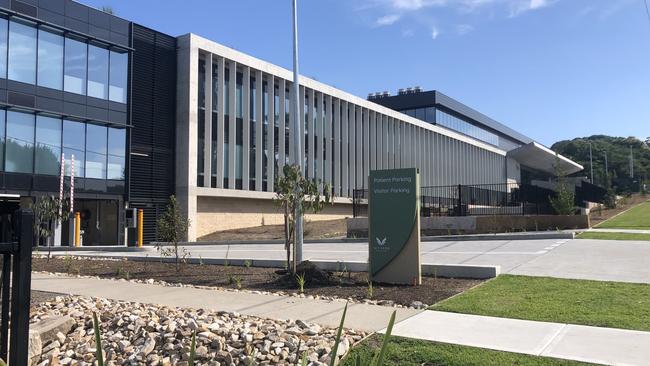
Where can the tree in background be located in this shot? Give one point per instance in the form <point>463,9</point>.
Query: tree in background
<point>172,228</point>
<point>617,150</point>
<point>46,215</point>
<point>292,190</point>
<point>564,201</point>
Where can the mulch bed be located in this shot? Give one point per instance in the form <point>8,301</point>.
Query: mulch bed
<point>339,284</point>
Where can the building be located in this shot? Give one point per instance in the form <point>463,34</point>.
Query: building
<point>147,115</point>
<point>72,85</point>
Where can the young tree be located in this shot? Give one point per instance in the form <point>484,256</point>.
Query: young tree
<point>564,201</point>
<point>292,190</point>
<point>172,228</point>
<point>46,215</point>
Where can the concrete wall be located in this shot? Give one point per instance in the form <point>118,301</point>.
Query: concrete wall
<point>358,226</point>
<point>227,213</point>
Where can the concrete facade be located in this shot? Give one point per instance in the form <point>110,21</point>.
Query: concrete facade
<point>345,137</point>
<point>228,213</point>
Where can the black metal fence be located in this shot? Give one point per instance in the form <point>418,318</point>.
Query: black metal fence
<point>473,200</point>
<point>17,236</point>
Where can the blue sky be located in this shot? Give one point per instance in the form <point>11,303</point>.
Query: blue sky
<point>551,69</point>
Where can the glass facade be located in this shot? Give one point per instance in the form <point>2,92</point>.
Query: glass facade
<point>74,146</point>
<point>3,47</point>
<point>22,53</point>
<point>97,72</point>
<point>44,57</point>
<point>50,60</point>
<point>47,159</point>
<point>436,116</point>
<point>20,142</point>
<point>34,144</point>
<point>76,56</point>
<point>119,72</point>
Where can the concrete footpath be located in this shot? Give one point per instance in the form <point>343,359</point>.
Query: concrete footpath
<point>605,346</point>
<point>590,344</point>
<point>328,313</point>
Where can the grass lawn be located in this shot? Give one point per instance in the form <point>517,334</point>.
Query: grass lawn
<point>613,236</point>
<point>596,303</point>
<point>637,217</point>
<point>411,352</point>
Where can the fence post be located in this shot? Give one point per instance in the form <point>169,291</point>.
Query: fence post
<point>21,283</point>
<point>460,200</point>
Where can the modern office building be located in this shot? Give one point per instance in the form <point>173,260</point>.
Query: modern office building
<point>147,115</point>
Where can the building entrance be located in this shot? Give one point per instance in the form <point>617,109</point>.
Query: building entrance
<point>99,223</point>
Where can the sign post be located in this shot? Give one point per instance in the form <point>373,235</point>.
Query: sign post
<point>394,226</point>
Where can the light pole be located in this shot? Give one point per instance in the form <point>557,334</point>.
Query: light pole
<point>591,164</point>
<point>606,171</point>
<point>298,136</point>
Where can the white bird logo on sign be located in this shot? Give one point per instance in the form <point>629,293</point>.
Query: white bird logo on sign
<point>381,243</point>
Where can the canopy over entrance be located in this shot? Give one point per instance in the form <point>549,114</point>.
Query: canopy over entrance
<point>541,158</point>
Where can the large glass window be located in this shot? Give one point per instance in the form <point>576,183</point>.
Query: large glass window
<point>119,76</point>
<point>96,140</point>
<point>4,30</point>
<point>2,139</point>
<point>76,55</point>
<point>50,60</point>
<point>20,142</point>
<point>48,145</point>
<point>22,53</point>
<point>74,144</point>
<point>116,153</point>
<point>97,72</point>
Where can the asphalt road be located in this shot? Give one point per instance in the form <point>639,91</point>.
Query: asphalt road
<point>626,261</point>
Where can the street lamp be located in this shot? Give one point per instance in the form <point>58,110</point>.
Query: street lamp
<point>298,136</point>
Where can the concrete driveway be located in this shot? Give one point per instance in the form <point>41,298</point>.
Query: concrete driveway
<point>625,261</point>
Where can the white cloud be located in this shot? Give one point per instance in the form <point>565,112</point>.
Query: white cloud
<point>522,6</point>
<point>387,20</point>
<point>435,33</point>
<point>415,4</point>
<point>462,29</point>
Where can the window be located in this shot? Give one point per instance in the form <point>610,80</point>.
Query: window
<point>74,144</point>
<point>50,60</point>
<point>202,84</point>
<point>4,25</point>
<point>20,142</point>
<point>22,53</point>
<point>116,153</point>
<point>48,145</point>
<point>76,55</point>
<point>2,138</point>
<point>96,140</point>
<point>97,72</point>
<point>119,76</point>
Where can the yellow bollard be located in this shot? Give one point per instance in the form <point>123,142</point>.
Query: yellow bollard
<point>140,227</point>
<point>77,228</point>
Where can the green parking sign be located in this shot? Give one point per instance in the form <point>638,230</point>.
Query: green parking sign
<point>394,226</point>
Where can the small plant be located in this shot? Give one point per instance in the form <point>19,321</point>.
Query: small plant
<point>231,279</point>
<point>370,290</point>
<point>99,353</point>
<point>248,263</point>
<point>200,260</point>
<point>190,361</point>
<point>237,280</point>
<point>172,228</point>
<point>68,262</point>
<point>300,280</point>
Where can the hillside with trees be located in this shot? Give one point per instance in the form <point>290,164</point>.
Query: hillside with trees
<point>617,150</point>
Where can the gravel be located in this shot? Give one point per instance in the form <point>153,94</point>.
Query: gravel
<point>145,334</point>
